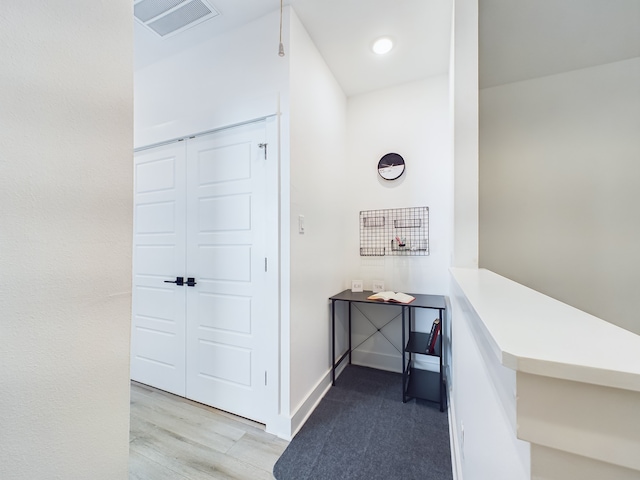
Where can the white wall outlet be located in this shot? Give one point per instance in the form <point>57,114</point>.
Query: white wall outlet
<point>301,224</point>
<point>378,286</point>
<point>356,286</point>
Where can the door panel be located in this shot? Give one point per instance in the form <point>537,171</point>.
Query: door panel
<point>220,362</point>
<point>227,213</point>
<point>158,318</point>
<point>157,304</point>
<point>156,346</point>
<point>200,212</point>
<point>155,259</point>
<point>155,175</point>
<point>156,218</point>
<point>223,164</point>
<point>225,231</point>
<point>225,312</point>
<point>225,263</point>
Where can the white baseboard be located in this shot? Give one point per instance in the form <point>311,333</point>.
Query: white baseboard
<point>456,460</point>
<point>280,426</point>
<point>390,363</point>
<point>307,407</point>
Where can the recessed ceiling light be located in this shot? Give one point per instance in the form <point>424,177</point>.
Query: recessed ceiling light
<point>382,45</point>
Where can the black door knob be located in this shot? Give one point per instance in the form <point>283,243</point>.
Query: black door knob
<point>191,282</point>
<point>178,281</point>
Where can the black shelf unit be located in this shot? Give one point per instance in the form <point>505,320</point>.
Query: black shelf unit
<point>424,384</point>
<point>416,382</point>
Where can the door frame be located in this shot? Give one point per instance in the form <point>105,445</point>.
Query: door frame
<point>272,244</point>
<point>272,295</point>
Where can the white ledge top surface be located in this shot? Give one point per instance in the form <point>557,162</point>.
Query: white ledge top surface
<point>537,334</point>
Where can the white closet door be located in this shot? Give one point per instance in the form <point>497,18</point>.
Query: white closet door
<point>158,319</point>
<point>226,341</point>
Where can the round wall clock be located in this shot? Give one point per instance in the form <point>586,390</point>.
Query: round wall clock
<point>391,166</point>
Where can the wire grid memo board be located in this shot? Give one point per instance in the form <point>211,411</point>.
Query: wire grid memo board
<point>396,231</point>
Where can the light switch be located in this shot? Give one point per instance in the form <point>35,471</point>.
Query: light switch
<point>301,224</point>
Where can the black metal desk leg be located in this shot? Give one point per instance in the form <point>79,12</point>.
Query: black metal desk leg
<point>404,364</point>
<point>333,342</point>
<point>349,333</point>
<point>442,349</point>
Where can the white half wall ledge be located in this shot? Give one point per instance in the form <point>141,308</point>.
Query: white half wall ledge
<point>577,383</point>
<point>536,334</point>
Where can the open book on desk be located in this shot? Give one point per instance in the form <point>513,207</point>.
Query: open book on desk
<point>393,297</point>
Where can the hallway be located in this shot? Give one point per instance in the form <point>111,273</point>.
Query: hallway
<point>173,438</point>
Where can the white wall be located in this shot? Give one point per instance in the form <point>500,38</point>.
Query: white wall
<point>317,191</point>
<point>412,120</point>
<point>559,190</point>
<point>230,78</point>
<point>65,239</point>
<point>464,125</point>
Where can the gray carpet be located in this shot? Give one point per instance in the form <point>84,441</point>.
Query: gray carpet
<point>362,430</point>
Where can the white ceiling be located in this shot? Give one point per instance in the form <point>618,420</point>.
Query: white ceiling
<point>523,39</point>
<point>519,39</point>
<point>343,31</point>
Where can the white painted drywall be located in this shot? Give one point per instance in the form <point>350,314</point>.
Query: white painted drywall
<point>319,181</point>
<point>230,78</point>
<point>413,121</point>
<point>559,193</point>
<point>65,238</point>
<point>464,107</point>
<point>463,81</point>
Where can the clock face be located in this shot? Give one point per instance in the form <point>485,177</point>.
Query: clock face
<point>391,166</point>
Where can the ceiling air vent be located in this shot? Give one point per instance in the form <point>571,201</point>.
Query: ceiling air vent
<point>169,17</point>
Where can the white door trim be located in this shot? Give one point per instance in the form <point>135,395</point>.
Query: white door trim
<point>205,132</point>
<point>273,243</point>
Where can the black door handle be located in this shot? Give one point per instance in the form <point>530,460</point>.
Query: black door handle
<point>191,282</point>
<point>178,281</point>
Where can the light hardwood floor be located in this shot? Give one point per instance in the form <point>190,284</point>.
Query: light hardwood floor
<point>173,438</point>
